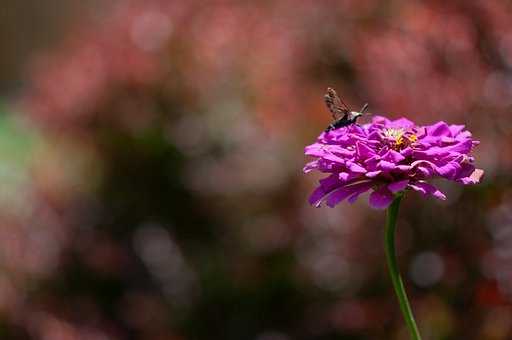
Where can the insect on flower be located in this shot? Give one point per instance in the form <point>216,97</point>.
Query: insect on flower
<point>341,113</point>
<point>387,157</point>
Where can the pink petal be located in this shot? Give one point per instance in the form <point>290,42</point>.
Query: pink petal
<point>477,175</point>
<point>343,176</point>
<point>316,197</point>
<point>342,193</point>
<point>398,186</point>
<point>393,156</point>
<point>448,170</point>
<point>373,174</point>
<point>439,129</point>
<point>310,166</point>
<point>363,151</point>
<point>427,189</point>
<point>359,191</point>
<point>456,129</point>
<point>338,196</point>
<point>356,168</point>
<point>381,198</point>
<point>384,165</point>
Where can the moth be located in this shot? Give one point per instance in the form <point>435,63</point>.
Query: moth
<point>341,113</point>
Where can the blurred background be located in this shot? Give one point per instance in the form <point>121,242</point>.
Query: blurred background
<point>151,158</point>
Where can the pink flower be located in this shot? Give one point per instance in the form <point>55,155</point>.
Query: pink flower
<point>388,157</point>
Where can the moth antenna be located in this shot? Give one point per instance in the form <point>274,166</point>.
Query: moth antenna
<point>365,107</point>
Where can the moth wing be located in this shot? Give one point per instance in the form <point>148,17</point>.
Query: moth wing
<point>335,105</point>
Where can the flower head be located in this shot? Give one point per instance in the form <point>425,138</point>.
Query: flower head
<point>388,157</point>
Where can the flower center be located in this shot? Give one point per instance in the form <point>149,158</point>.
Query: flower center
<point>399,138</point>
<point>393,133</point>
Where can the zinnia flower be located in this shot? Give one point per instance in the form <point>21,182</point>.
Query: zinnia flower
<point>388,157</point>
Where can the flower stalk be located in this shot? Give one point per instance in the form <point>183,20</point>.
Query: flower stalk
<point>398,285</point>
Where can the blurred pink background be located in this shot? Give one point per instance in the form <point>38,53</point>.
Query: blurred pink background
<point>151,169</point>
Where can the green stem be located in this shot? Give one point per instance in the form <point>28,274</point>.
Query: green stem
<point>393,269</point>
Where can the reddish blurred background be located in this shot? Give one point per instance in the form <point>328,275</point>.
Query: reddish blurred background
<point>151,156</point>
